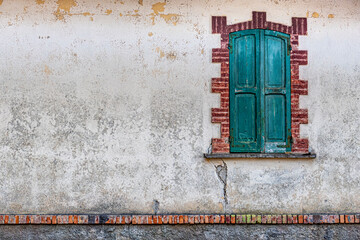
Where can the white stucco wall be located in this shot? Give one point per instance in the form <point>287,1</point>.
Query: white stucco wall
<point>105,108</point>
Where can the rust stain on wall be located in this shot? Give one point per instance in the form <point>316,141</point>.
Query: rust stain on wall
<point>1,2</point>
<point>158,9</point>
<point>141,2</point>
<point>331,16</point>
<point>150,34</point>
<point>108,11</point>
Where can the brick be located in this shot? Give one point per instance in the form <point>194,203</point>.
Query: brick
<point>279,219</point>
<point>35,219</point>
<point>22,219</point>
<point>357,218</point>
<point>191,219</point>
<point>259,19</point>
<point>324,219</point>
<point>248,218</point>
<point>301,219</point>
<point>222,219</point>
<point>143,220</point>
<point>263,219</point>
<point>227,219</point>
<point>317,218</point>
<point>181,219</point>
<point>349,219</point>
<point>12,219</point>
<point>295,219</point>
<point>159,219</point>
<point>155,219</point>
<point>84,219</point>
<point>233,219</point>
<point>197,219</point>
<point>218,24</point>
<point>135,219</point>
<point>202,219</point>
<point>269,219</point>
<point>310,219</point>
<point>284,219</point>
<point>289,219</point>
<point>211,219</point>
<point>165,219</point>
<point>258,219</point>
<point>273,219</point>
<point>238,219</point>
<point>342,218</point>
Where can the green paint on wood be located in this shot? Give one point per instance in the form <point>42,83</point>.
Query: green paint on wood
<point>260,95</point>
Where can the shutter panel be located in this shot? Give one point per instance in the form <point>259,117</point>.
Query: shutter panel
<point>245,92</point>
<point>277,107</point>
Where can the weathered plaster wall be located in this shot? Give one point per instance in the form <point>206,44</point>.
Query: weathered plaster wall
<point>105,108</point>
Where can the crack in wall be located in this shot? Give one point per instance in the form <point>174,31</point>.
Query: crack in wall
<point>221,171</point>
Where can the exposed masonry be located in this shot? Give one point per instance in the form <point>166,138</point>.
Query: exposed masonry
<point>178,219</point>
<point>221,84</point>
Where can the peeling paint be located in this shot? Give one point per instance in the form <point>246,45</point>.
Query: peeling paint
<point>64,7</point>
<point>108,11</point>
<point>158,8</point>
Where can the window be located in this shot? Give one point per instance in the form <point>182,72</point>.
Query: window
<point>260,94</point>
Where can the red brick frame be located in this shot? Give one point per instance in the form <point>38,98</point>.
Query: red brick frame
<point>221,84</point>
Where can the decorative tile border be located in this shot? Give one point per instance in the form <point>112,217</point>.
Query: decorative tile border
<point>221,84</point>
<point>179,219</point>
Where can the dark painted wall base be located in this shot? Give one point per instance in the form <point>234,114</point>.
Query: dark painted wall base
<point>68,232</point>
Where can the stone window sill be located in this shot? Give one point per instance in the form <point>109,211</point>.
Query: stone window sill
<point>260,155</point>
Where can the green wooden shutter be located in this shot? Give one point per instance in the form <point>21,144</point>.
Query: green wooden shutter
<point>245,91</point>
<point>277,92</point>
<point>260,114</point>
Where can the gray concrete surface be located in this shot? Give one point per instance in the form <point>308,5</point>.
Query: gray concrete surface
<point>349,232</point>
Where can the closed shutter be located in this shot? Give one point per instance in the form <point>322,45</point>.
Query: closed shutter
<point>260,115</point>
<point>245,91</point>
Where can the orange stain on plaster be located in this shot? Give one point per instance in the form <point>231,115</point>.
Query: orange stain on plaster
<point>64,7</point>
<point>315,15</point>
<point>158,50</point>
<point>108,11</point>
<point>150,34</point>
<point>158,9</point>
<point>40,2</point>
<point>47,70</point>
<point>1,2</point>
<point>141,2</point>
<point>331,16</point>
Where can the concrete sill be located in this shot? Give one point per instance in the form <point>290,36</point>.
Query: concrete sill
<point>260,155</point>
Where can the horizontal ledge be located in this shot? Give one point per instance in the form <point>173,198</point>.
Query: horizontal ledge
<point>260,155</point>
<point>180,218</point>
